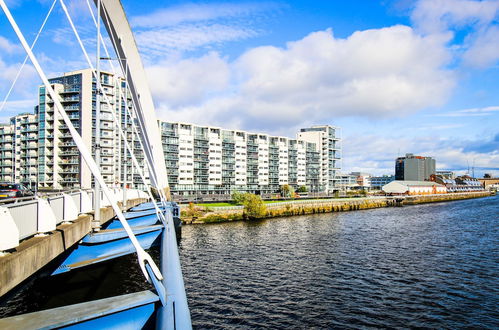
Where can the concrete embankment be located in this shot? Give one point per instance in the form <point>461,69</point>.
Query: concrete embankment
<point>34,253</point>
<point>326,206</point>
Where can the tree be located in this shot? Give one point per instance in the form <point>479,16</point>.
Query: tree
<point>253,206</point>
<point>238,197</point>
<point>302,189</point>
<point>287,190</point>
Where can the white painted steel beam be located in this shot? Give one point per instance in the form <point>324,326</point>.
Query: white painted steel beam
<point>117,25</point>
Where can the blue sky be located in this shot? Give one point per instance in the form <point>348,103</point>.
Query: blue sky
<point>397,76</point>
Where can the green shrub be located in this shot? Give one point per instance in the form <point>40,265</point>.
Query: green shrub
<point>302,189</point>
<point>254,207</point>
<point>238,197</point>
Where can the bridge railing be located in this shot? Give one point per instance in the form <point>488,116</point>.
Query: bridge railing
<point>26,217</point>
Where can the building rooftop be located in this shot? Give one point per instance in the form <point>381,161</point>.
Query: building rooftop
<point>418,183</point>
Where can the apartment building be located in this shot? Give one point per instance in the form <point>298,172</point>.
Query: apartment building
<point>216,161</point>
<point>7,153</point>
<point>38,148</point>
<point>327,139</point>
<point>60,164</point>
<point>18,149</point>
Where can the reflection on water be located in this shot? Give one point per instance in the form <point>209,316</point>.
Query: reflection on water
<point>421,266</point>
<point>432,265</point>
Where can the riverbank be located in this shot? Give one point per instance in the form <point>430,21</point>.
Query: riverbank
<point>291,208</point>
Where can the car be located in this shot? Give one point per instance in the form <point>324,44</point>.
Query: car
<point>13,190</point>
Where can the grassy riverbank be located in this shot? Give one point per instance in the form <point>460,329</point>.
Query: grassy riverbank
<point>222,212</point>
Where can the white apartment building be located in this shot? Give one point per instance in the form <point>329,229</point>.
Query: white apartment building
<point>60,163</point>
<point>328,139</point>
<point>215,161</point>
<point>19,149</point>
<point>199,159</point>
<point>7,153</point>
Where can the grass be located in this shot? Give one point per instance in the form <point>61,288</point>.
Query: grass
<point>265,202</point>
<point>216,204</point>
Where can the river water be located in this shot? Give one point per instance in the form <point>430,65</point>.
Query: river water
<point>432,265</point>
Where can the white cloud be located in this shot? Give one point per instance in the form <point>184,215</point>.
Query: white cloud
<point>10,67</point>
<point>369,153</point>
<point>189,81</point>
<point>17,106</point>
<point>188,13</point>
<point>164,42</point>
<point>9,47</point>
<point>437,16</point>
<point>472,112</point>
<point>386,72</point>
<point>485,49</point>
<point>474,22</point>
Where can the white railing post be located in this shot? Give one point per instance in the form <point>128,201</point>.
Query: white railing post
<point>9,234</point>
<point>70,210</point>
<point>85,202</point>
<point>46,221</point>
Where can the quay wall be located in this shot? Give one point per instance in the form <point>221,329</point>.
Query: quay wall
<point>326,206</point>
<point>36,252</point>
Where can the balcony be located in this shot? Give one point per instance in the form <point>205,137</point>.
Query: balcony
<point>70,99</point>
<point>70,90</point>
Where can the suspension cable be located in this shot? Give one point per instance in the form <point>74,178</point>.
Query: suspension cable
<point>161,193</point>
<point>142,256</point>
<point>26,58</point>
<point>113,112</point>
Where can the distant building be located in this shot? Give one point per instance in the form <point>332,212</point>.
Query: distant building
<point>414,188</point>
<point>489,182</point>
<point>363,179</point>
<point>446,174</point>
<point>459,184</point>
<point>347,181</point>
<point>414,168</point>
<point>377,182</point>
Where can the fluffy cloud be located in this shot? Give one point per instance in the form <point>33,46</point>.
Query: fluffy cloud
<point>385,72</point>
<point>436,16</point>
<point>10,54</point>
<point>370,153</point>
<point>189,81</point>
<point>475,20</point>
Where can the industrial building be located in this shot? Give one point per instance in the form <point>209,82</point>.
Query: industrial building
<point>414,188</point>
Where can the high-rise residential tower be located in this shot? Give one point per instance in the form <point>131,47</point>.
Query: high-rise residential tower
<point>328,140</point>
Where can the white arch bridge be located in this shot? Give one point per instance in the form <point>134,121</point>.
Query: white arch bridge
<point>126,224</point>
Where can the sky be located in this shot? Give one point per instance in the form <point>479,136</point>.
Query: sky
<point>396,77</point>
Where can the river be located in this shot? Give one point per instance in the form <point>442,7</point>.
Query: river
<point>431,265</point>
